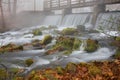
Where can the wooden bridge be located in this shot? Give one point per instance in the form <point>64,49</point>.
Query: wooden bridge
<point>62,4</point>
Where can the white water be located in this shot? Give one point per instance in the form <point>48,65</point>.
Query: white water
<point>108,21</point>
<point>19,37</point>
<point>75,19</point>
<point>52,20</point>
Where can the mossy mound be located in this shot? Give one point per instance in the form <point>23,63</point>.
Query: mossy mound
<point>117,54</point>
<point>69,31</point>
<point>92,45</point>
<point>65,44</point>
<point>28,62</point>
<point>94,70</point>
<point>10,48</point>
<point>47,39</point>
<point>37,32</point>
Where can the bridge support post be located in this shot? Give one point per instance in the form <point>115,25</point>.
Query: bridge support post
<point>67,11</point>
<point>97,9</point>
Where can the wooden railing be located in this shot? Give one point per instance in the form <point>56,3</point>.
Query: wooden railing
<point>61,4</point>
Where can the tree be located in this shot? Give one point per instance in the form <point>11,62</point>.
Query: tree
<point>2,15</point>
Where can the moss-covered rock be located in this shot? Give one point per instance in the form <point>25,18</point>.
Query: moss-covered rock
<point>60,70</point>
<point>92,69</point>
<point>69,31</point>
<point>77,44</point>
<point>47,39</point>
<point>37,32</point>
<point>71,67</point>
<point>92,45</point>
<point>66,44</point>
<point>28,62</point>
<point>68,52</point>
<point>117,54</point>
<point>11,48</point>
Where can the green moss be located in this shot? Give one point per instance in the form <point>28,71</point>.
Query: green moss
<point>71,67</point>
<point>68,52</point>
<point>92,45</point>
<point>37,32</point>
<point>69,31</point>
<point>28,62</point>
<point>60,70</point>
<point>117,39</point>
<point>117,54</point>
<point>77,44</point>
<point>47,39</point>
<point>94,70</point>
<point>3,74</point>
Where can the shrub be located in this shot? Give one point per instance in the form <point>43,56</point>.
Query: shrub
<point>28,62</point>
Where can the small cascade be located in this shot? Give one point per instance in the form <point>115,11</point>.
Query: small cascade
<point>52,20</point>
<point>108,21</point>
<point>82,47</point>
<point>75,19</point>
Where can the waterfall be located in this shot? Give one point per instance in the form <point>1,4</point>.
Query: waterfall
<point>67,20</point>
<point>108,21</point>
<point>52,20</point>
<point>82,47</point>
<point>75,19</point>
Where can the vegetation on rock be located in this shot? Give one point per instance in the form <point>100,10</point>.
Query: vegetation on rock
<point>47,39</point>
<point>92,45</point>
<point>83,71</point>
<point>66,44</point>
<point>10,48</point>
<point>28,62</point>
<point>69,31</point>
<point>37,32</point>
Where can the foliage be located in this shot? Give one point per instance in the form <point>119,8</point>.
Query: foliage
<point>28,62</point>
<point>83,71</point>
<point>37,32</point>
<point>69,31</point>
<point>91,46</point>
<point>47,39</point>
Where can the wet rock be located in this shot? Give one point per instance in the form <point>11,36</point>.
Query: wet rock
<point>28,62</point>
<point>69,31</point>
<point>47,39</point>
<point>92,45</point>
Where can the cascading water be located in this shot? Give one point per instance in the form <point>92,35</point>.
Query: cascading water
<point>108,21</point>
<point>75,19</point>
<point>52,20</point>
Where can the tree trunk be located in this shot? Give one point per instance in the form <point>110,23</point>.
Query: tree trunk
<point>14,7</point>
<point>2,15</point>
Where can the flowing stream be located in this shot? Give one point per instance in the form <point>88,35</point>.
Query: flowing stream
<point>17,59</point>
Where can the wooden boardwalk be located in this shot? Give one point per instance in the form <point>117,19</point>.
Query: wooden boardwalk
<point>62,4</point>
